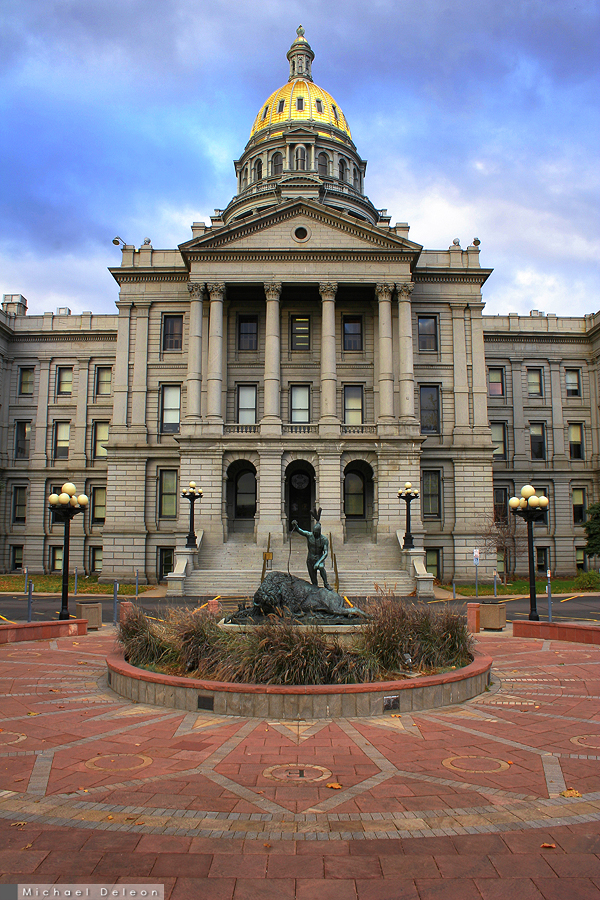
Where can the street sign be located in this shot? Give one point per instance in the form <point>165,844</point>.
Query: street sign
<point>476,557</point>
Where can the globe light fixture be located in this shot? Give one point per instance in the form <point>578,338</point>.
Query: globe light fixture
<point>64,507</point>
<point>408,495</point>
<point>192,493</point>
<point>530,508</point>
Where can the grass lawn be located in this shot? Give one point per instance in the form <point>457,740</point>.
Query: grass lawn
<point>520,586</point>
<point>52,584</point>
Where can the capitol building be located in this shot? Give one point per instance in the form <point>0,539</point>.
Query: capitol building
<point>301,350</point>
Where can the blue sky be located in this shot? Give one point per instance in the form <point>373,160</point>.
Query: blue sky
<point>478,119</point>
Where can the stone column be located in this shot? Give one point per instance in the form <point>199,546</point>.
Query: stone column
<point>480,410</point>
<point>559,457</point>
<point>140,365</point>
<point>407,378</point>
<point>386,365</point>
<point>461,384</point>
<point>215,354</point>
<point>329,415</point>
<point>121,387</point>
<point>79,433</point>
<point>39,456</point>
<point>194,367</point>
<point>521,456</point>
<point>272,379</point>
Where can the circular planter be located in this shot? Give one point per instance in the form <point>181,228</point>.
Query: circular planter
<point>323,701</point>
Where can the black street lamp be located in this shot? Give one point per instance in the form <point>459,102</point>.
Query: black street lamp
<point>408,495</point>
<point>530,508</point>
<point>192,494</point>
<point>65,506</point>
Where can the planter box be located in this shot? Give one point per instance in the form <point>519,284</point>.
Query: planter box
<point>92,611</point>
<point>492,616</point>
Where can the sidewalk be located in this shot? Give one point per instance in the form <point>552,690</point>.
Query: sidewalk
<point>453,803</point>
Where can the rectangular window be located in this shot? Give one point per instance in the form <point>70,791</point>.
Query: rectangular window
<point>542,559</point>
<point>19,505</point>
<point>22,439</point>
<point>353,333</point>
<point>537,437</point>
<point>95,560</point>
<point>246,404</point>
<point>580,561</point>
<point>432,562</point>
<point>427,328</point>
<point>172,333</point>
<point>64,380</point>
<point>100,438</point>
<point>300,403</point>
<point>353,404</point>
<point>61,440</point>
<point>576,441</point>
<point>166,562</point>
<point>319,105</point>
<point>26,381</point>
<point>16,557</point>
<point>300,332</point>
<point>535,384</point>
<point>499,439</point>
<point>500,504</point>
<point>103,381</point>
<point>573,380</point>
<point>542,492</point>
<point>56,559</point>
<point>578,506</point>
<point>170,409</point>
<point>500,562</point>
<point>248,333</point>
<point>98,505</point>
<point>432,493</point>
<point>496,382</point>
<point>167,494</point>
<point>430,409</point>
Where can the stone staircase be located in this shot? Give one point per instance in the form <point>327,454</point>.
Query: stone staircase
<point>233,569</point>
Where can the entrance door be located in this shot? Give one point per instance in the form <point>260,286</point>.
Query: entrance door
<point>300,497</point>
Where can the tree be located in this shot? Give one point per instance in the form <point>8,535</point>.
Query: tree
<point>502,535</point>
<point>592,530</point>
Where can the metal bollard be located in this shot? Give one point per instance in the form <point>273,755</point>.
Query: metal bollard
<point>30,600</point>
<point>495,576</point>
<point>453,590</point>
<point>137,584</point>
<point>549,589</point>
<point>75,586</point>
<point>115,602</point>
<point>26,580</point>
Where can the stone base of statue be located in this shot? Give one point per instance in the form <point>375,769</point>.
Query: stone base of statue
<point>298,601</point>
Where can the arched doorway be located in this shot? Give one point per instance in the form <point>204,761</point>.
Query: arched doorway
<point>241,497</point>
<point>358,498</point>
<point>299,493</point>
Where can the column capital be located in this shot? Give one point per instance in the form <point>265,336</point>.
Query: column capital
<point>196,289</point>
<point>216,290</point>
<point>328,290</point>
<point>405,289</point>
<point>384,291</point>
<point>272,290</point>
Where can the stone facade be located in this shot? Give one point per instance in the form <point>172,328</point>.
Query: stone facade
<point>300,350</point>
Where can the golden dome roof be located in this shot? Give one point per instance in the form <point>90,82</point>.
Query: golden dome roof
<point>300,100</point>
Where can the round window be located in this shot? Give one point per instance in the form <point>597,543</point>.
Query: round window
<point>301,233</point>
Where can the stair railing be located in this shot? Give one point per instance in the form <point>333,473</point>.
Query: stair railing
<point>267,558</point>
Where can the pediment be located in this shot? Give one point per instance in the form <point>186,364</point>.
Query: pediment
<point>327,230</point>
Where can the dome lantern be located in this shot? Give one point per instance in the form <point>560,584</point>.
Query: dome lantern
<point>300,56</point>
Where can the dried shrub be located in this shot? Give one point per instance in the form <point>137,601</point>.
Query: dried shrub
<point>145,642</point>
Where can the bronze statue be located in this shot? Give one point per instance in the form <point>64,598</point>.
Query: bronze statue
<point>318,549</point>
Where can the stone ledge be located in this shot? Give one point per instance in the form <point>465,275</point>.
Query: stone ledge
<point>42,631</point>
<point>299,701</point>
<point>574,633</point>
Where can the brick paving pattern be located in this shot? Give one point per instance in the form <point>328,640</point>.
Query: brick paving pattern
<point>454,802</point>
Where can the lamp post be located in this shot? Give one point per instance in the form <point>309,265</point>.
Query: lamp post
<point>408,495</point>
<point>192,494</point>
<point>530,508</point>
<point>65,507</point>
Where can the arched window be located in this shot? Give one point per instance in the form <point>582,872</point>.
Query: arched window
<point>258,170</point>
<point>354,495</point>
<point>356,179</point>
<point>277,164</point>
<point>245,495</point>
<point>245,178</point>
<point>322,164</point>
<point>300,158</point>
<point>342,170</point>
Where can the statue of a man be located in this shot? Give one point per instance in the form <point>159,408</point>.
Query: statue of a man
<point>318,549</point>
